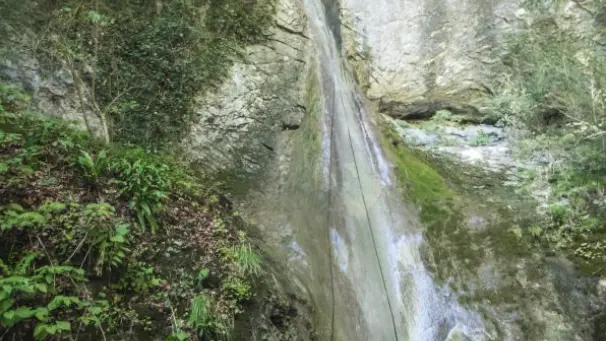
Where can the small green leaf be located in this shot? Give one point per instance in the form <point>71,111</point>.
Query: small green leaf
<point>203,274</point>
<point>63,326</point>
<point>122,230</point>
<point>42,331</point>
<point>41,314</point>
<point>6,304</point>
<point>24,312</point>
<point>41,287</point>
<point>117,239</point>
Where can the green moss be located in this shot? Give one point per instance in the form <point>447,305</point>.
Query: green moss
<point>451,246</point>
<point>420,182</point>
<point>453,250</point>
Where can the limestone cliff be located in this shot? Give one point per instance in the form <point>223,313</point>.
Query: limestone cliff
<point>419,49</point>
<point>262,96</point>
<point>428,54</point>
<point>237,119</point>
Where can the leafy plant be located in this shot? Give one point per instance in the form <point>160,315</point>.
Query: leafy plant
<point>202,275</point>
<point>140,279</point>
<point>248,262</point>
<point>178,336</point>
<point>12,98</point>
<point>442,115</point>
<point>200,314</point>
<point>14,216</point>
<point>22,284</point>
<point>536,230</point>
<point>93,168</point>
<point>481,139</point>
<point>145,184</point>
<point>105,233</point>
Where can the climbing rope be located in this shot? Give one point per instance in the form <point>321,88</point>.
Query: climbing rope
<point>328,214</point>
<point>393,319</point>
<point>374,243</point>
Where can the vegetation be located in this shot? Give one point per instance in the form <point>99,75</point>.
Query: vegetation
<point>481,139</point>
<point>139,66</point>
<point>556,88</point>
<point>101,240</point>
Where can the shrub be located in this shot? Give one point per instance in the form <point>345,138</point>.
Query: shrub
<point>557,88</point>
<point>144,65</point>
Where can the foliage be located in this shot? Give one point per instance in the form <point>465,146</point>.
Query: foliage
<point>145,183</point>
<point>442,115</point>
<point>37,295</point>
<point>67,231</point>
<point>145,62</point>
<point>247,261</point>
<point>481,139</point>
<point>200,314</point>
<point>556,88</point>
<point>12,98</point>
<point>93,168</point>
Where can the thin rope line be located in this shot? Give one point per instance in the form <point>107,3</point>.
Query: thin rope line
<point>328,212</point>
<point>374,243</point>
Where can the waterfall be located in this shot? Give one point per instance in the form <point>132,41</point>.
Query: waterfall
<point>380,289</point>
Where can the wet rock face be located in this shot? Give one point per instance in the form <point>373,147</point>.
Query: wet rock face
<point>261,98</point>
<point>421,110</point>
<point>429,48</point>
<point>483,145</point>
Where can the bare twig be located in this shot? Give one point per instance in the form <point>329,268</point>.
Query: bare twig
<point>102,332</point>
<point>45,251</point>
<point>4,334</point>
<point>120,94</point>
<point>78,247</point>
<point>86,256</point>
<point>78,84</point>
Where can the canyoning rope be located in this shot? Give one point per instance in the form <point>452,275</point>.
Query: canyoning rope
<point>328,221</point>
<point>372,235</point>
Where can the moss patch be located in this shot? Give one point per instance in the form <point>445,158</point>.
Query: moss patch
<point>420,182</point>
<point>453,249</point>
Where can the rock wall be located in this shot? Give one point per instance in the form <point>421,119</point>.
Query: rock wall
<point>427,50</point>
<point>52,92</point>
<point>263,96</point>
<point>239,120</point>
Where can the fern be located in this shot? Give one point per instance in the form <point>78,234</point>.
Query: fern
<point>22,267</point>
<point>12,219</point>
<point>93,168</point>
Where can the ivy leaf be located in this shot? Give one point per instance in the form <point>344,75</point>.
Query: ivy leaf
<point>43,330</point>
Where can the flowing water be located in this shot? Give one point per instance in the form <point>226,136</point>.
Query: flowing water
<point>356,252</point>
<point>380,287</point>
